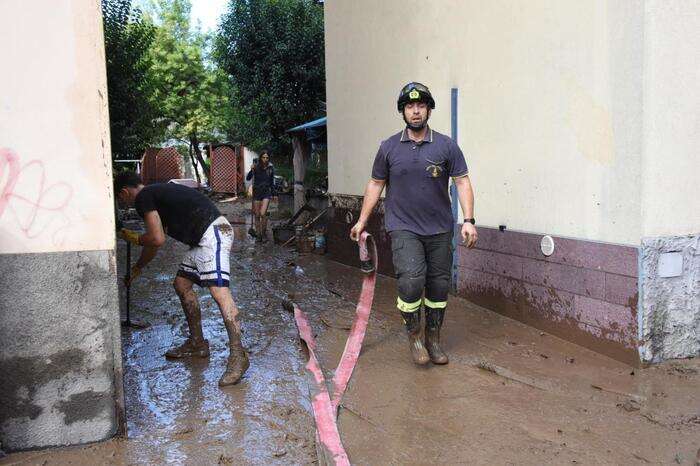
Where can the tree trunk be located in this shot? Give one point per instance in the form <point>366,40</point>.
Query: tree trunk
<point>195,145</point>
<point>194,164</point>
<point>301,159</point>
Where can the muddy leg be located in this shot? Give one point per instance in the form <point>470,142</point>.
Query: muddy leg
<point>254,222</point>
<point>238,358</point>
<point>257,223</point>
<point>263,217</point>
<point>195,345</point>
<point>190,304</point>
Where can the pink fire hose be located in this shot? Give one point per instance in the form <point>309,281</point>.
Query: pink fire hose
<point>325,398</point>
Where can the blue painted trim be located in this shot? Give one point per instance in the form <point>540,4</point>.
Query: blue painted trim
<point>453,189</point>
<point>219,280</point>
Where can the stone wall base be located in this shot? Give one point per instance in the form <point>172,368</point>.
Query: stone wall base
<point>586,292</point>
<point>670,310</point>
<point>60,357</point>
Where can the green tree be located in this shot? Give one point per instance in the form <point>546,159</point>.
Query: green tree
<point>127,41</point>
<point>273,52</point>
<point>190,91</point>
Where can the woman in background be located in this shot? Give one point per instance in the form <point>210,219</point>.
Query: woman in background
<point>263,175</point>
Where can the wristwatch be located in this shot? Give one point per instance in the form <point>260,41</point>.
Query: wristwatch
<point>470,220</point>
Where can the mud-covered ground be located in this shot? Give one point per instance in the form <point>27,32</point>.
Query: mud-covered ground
<point>510,395</point>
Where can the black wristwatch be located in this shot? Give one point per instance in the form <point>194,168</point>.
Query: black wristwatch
<point>470,220</point>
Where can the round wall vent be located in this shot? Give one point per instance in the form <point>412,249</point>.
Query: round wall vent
<point>547,245</point>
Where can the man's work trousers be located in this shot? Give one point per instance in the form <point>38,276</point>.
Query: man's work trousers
<point>422,263</point>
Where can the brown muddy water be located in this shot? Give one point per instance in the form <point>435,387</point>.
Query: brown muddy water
<point>510,395</point>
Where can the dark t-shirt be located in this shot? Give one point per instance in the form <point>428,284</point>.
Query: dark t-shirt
<point>185,212</point>
<point>263,178</point>
<point>417,176</point>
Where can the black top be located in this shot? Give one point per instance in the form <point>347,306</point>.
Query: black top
<point>185,212</point>
<point>263,178</point>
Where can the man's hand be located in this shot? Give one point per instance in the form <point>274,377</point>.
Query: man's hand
<point>129,235</point>
<point>357,230</point>
<point>133,273</point>
<point>469,235</point>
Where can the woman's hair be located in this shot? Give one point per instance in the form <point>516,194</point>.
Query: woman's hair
<point>266,151</point>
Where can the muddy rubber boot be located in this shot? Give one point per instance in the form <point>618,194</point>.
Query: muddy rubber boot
<point>189,349</point>
<point>433,323</point>
<point>413,328</point>
<point>237,363</point>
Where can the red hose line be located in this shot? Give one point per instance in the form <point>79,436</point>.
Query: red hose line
<point>325,405</point>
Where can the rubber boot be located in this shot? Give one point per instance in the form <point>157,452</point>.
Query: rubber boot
<point>237,362</point>
<point>413,328</point>
<point>433,323</point>
<point>189,349</point>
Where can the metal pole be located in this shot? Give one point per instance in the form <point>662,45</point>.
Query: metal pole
<point>128,286</point>
<point>453,189</point>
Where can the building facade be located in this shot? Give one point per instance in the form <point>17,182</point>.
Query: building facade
<point>60,351</point>
<point>579,121</point>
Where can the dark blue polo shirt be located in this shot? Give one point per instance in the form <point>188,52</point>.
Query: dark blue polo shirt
<point>417,177</point>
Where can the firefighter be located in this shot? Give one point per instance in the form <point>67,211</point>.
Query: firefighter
<point>415,166</point>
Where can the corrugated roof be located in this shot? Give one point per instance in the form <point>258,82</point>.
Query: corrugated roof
<point>309,125</point>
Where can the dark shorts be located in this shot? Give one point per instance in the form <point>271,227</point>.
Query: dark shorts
<point>260,194</point>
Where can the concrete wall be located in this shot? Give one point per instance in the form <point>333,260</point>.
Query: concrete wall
<point>60,357</point>
<point>54,132</point>
<point>549,110</point>
<point>669,322</point>
<point>578,120</point>
<point>669,319</point>
<point>671,161</point>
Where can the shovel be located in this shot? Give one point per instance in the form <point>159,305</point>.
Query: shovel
<point>127,276</point>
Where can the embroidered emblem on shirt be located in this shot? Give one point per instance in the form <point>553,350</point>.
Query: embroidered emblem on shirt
<point>434,170</point>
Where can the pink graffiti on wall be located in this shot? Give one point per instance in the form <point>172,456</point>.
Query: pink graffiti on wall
<point>37,206</point>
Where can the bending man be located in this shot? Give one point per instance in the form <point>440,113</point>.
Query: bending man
<point>191,218</point>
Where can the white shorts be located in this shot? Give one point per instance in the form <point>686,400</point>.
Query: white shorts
<point>208,264</point>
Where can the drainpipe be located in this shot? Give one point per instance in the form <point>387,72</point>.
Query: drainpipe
<point>453,188</point>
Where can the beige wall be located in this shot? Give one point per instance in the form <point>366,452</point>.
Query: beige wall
<point>671,169</point>
<point>551,100</point>
<point>55,164</point>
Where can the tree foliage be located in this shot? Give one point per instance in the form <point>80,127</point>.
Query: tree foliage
<point>127,41</point>
<point>189,90</point>
<point>273,52</point>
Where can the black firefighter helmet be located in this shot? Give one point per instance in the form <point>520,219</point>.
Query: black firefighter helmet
<point>415,92</point>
